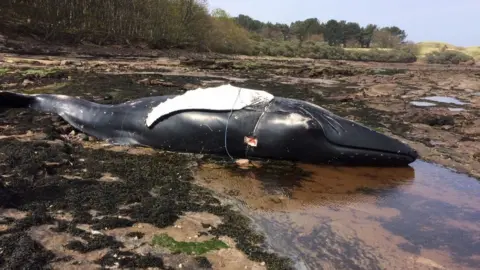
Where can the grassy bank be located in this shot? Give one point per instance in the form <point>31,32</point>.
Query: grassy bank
<point>444,53</point>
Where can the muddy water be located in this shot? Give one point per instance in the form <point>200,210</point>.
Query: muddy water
<point>420,217</point>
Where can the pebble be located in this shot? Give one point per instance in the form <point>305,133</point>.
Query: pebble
<point>27,82</point>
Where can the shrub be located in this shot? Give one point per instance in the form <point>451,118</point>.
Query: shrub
<point>323,51</point>
<point>448,57</point>
<point>226,36</point>
<point>320,50</point>
<point>376,55</point>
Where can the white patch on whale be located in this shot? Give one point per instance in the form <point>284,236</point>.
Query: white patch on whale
<point>221,98</point>
<point>292,120</point>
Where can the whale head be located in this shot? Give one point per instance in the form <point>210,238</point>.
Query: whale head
<point>316,135</point>
<point>354,143</point>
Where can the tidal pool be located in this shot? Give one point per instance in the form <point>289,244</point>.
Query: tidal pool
<point>419,217</point>
<point>422,103</point>
<point>442,99</point>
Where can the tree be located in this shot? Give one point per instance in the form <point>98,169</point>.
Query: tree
<point>285,30</point>
<point>384,39</point>
<point>333,33</point>
<point>351,32</point>
<point>366,35</point>
<point>396,32</point>
<point>220,13</point>
<point>303,29</point>
<point>249,23</point>
<point>271,31</point>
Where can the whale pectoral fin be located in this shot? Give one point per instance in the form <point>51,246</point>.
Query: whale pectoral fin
<point>221,98</point>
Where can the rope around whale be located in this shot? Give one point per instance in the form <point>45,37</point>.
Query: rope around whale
<point>228,121</point>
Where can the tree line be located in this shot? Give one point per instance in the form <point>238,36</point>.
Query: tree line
<point>333,32</point>
<point>189,24</point>
<point>167,22</point>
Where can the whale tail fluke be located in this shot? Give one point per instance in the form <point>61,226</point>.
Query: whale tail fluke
<point>48,103</point>
<point>14,100</point>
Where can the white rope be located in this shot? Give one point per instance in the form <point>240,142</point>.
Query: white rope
<point>228,120</point>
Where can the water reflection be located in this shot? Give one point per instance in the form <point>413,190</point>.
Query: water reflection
<point>421,217</point>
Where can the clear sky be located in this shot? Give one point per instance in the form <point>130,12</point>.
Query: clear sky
<point>455,22</point>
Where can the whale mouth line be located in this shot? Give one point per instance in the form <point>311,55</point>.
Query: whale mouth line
<point>411,156</point>
<point>378,151</point>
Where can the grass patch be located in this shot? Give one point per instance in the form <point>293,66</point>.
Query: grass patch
<point>197,248</point>
<point>40,73</point>
<point>426,48</point>
<point>3,71</point>
<point>473,51</point>
<point>448,57</point>
<point>47,89</point>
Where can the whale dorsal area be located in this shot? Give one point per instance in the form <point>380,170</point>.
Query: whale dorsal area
<point>221,98</point>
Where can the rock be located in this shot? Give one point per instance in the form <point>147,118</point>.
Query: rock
<point>145,81</point>
<point>65,129</point>
<point>381,105</point>
<point>57,142</point>
<point>242,163</point>
<point>197,62</point>
<point>473,129</point>
<point>84,137</point>
<point>470,84</point>
<point>27,82</point>
<point>432,117</point>
<point>167,84</point>
<point>326,81</point>
<point>384,90</point>
<point>155,82</point>
<point>469,63</point>
<point>190,86</point>
<point>342,98</point>
<point>66,62</point>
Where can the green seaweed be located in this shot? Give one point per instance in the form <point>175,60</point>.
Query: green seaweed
<point>3,71</point>
<point>386,71</point>
<point>199,248</point>
<point>47,89</point>
<point>40,72</point>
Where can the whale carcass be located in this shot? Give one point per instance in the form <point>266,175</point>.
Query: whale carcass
<point>226,120</point>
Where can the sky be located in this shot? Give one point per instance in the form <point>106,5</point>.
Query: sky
<point>454,22</point>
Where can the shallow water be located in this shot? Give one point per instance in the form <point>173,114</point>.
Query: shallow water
<point>443,99</point>
<point>422,103</point>
<point>420,217</point>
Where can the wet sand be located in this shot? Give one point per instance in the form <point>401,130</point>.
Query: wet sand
<point>421,217</point>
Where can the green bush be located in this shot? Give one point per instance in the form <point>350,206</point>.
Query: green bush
<point>226,36</point>
<point>323,51</point>
<point>376,55</point>
<point>318,50</point>
<point>448,57</point>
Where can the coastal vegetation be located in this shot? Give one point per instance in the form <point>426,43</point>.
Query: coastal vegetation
<point>189,24</point>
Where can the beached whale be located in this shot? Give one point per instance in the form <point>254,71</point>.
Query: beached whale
<point>226,120</point>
